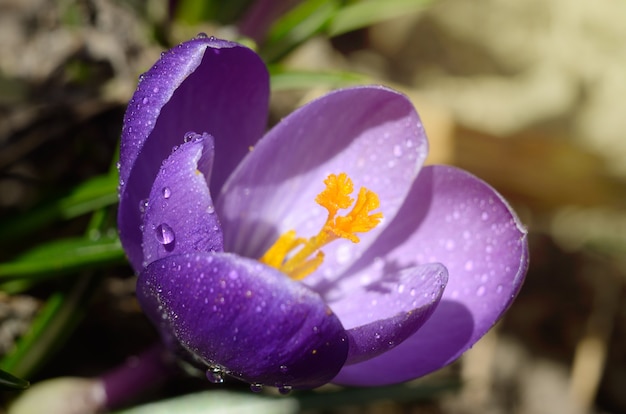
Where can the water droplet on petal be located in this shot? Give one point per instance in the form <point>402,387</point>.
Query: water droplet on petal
<point>189,136</point>
<point>215,375</point>
<point>484,216</point>
<point>256,387</point>
<point>285,389</point>
<point>480,291</point>
<point>164,234</point>
<point>397,150</point>
<point>167,192</point>
<point>283,368</point>
<point>202,35</point>
<point>210,209</point>
<point>145,101</point>
<point>450,244</point>
<point>499,288</point>
<point>143,205</point>
<point>343,253</point>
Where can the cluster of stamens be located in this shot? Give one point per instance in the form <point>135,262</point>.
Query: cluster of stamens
<point>336,196</point>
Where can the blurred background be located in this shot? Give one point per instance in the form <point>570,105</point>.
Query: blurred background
<point>528,95</point>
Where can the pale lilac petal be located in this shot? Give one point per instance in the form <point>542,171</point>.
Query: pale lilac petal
<point>243,318</point>
<point>204,85</point>
<point>380,315</point>
<point>179,213</point>
<point>371,133</point>
<point>455,219</point>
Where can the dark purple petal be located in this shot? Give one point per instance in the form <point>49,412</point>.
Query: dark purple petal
<point>204,85</point>
<point>179,213</point>
<point>453,218</point>
<point>260,16</point>
<point>244,318</point>
<point>379,316</point>
<point>371,133</point>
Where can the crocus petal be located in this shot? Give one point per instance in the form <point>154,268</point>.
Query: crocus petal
<point>379,316</point>
<point>245,318</point>
<point>179,214</point>
<point>260,16</point>
<point>456,219</point>
<point>204,85</point>
<point>371,133</point>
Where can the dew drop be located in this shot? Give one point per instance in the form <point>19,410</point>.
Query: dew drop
<point>202,35</point>
<point>145,101</point>
<point>480,291</point>
<point>397,150</point>
<point>284,389</point>
<point>210,209</point>
<point>189,136</point>
<point>469,265</point>
<point>165,234</point>
<point>344,253</point>
<point>283,369</point>
<point>256,387</point>
<point>450,244</point>
<point>215,375</point>
<point>499,289</point>
<point>118,165</point>
<point>400,288</point>
<point>143,205</point>
<point>167,192</point>
<point>484,216</point>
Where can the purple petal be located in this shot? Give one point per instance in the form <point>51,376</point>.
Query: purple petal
<point>260,16</point>
<point>204,85</point>
<point>371,133</point>
<point>379,316</point>
<point>179,216</point>
<point>456,219</point>
<point>244,318</point>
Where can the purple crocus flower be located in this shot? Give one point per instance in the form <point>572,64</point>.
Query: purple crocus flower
<point>230,230</point>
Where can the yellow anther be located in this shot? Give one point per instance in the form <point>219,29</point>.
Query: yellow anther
<point>334,197</point>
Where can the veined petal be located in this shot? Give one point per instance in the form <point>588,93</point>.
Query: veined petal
<point>179,213</point>
<point>380,315</point>
<point>204,85</point>
<point>456,219</point>
<point>371,133</point>
<point>244,318</point>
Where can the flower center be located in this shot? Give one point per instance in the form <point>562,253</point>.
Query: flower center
<point>336,196</point>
